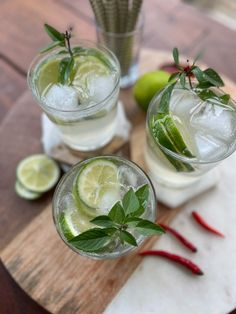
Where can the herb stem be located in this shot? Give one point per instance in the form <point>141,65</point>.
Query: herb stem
<point>190,83</point>
<point>67,38</point>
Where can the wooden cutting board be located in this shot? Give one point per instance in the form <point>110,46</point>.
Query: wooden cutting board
<point>52,274</point>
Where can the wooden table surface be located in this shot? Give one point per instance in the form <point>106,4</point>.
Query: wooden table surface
<point>167,24</point>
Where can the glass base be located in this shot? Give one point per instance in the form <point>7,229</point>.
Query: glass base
<point>129,79</point>
<point>174,197</point>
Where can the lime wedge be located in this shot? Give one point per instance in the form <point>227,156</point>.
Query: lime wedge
<point>166,133</point>
<point>73,223</point>
<point>25,193</point>
<point>97,184</point>
<point>88,66</point>
<point>48,74</point>
<point>38,173</point>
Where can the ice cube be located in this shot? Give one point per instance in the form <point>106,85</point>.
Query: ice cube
<point>127,177</point>
<point>182,103</point>
<point>108,200</point>
<point>209,147</point>
<point>67,203</point>
<point>99,87</point>
<point>215,120</point>
<point>61,97</point>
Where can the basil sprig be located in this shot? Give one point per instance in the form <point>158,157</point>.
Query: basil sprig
<point>119,225</point>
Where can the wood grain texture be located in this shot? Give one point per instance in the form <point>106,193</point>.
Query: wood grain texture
<point>24,23</point>
<point>52,274</point>
<point>20,135</point>
<point>58,278</point>
<point>12,86</point>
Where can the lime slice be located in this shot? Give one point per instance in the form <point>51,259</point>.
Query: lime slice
<point>25,193</point>
<point>97,184</point>
<point>48,74</point>
<point>74,222</point>
<point>166,133</point>
<point>88,66</point>
<point>38,173</point>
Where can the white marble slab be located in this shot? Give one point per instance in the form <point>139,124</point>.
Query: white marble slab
<point>161,287</point>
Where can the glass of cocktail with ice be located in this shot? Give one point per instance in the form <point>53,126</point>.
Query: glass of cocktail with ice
<point>104,207</point>
<point>84,111</point>
<point>197,133</point>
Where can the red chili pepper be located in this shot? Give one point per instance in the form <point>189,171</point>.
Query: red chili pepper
<point>175,258</point>
<point>205,225</point>
<point>179,236</point>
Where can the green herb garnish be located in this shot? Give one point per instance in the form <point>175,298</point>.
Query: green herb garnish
<point>122,220</point>
<point>205,78</point>
<point>66,65</point>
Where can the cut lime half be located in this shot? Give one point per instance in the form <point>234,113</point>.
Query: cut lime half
<point>97,184</point>
<point>73,223</point>
<point>38,173</point>
<point>25,193</point>
<point>48,74</point>
<point>167,135</point>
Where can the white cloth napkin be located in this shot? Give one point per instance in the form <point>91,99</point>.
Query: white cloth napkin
<point>51,136</point>
<point>162,287</point>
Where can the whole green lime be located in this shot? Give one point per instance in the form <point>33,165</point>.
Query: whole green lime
<point>148,85</point>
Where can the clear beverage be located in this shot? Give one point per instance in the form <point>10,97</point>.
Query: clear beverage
<point>72,215</point>
<point>207,128</point>
<point>84,112</point>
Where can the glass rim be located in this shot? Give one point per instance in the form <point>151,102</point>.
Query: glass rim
<point>81,108</point>
<point>182,158</point>
<point>138,28</point>
<point>108,255</point>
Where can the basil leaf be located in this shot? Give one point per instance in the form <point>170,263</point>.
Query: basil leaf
<point>132,221</point>
<point>198,73</point>
<point>51,46</point>
<point>148,228</point>
<point>103,221</point>
<point>117,213</point>
<point>176,55</point>
<point>66,66</point>
<point>182,79</point>
<point>130,202</point>
<point>91,240</point>
<point>213,77</point>
<point>165,99</point>
<point>225,98</point>
<point>142,195</point>
<point>174,76</point>
<point>53,33</point>
<point>127,237</point>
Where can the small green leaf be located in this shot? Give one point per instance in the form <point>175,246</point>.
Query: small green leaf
<point>138,212</point>
<point>91,240</point>
<point>174,76</point>
<point>165,99</point>
<point>69,70</point>
<point>148,228</point>
<point>142,194</point>
<point>66,66</point>
<point>53,33</point>
<point>117,213</point>
<point>213,77</point>
<point>198,73</point>
<point>225,98</point>
<point>176,55</point>
<point>132,221</point>
<point>78,50</point>
<point>183,79</point>
<point>130,202</point>
<point>204,84</point>
<point>103,221</point>
<point>62,52</point>
<point>127,237</point>
<point>51,46</point>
